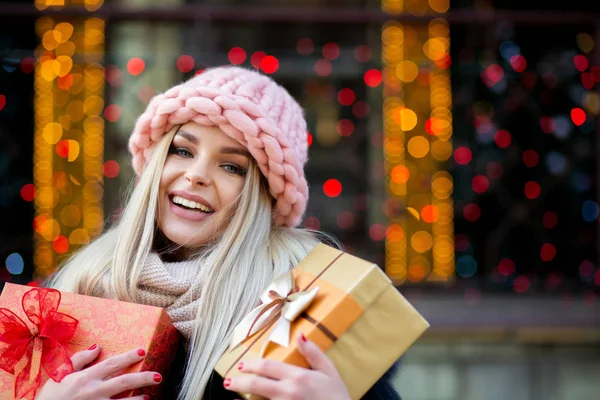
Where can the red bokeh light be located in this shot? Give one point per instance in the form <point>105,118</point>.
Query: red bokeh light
<point>27,65</point>
<point>60,245</point>
<point>549,219</point>
<point>518,62</point>
<point>62,148</point>
<point>331,51</point>
<point>65,82</point>
<point>362,53</point>
<point>502,139</point>
<point>578,116</point>
<point>461,242</point>
<point>581,62</point>
<point>531,158</point>
<point>506,267</point>
<point>548,252</point>
<point>345,127</point>
<point>112,112</point>
<point>110,169</point>
<point>521,284</point>
<point>480,184</point>
<point>472,212</point>
<point>463,155</point>
<point>323,67</point>
<point>361,109</point>
<point>345,219</point>
<point>305,46</point>
<point>2,101</point>
<point>346,97</point>
<point>532,190</point>
<point>494,169</point>
<point>373,78</point>
<point>28,192</point>
<point>256,58</point>
<point>185,63</point>
<point>135,66</point>
<point>237,56</point>
<point>377,232</point>
<point>269,64</point>
<point>114,75</point>
<point>587,80</point>
<point>547,124</point>
<point>309,138</point>
<point>430,214</point>
<point>332,188</point>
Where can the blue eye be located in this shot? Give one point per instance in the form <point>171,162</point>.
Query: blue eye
<point>234,169</point>
<point>180,151</point>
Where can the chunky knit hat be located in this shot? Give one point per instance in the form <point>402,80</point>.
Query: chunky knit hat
<point>250,108</point>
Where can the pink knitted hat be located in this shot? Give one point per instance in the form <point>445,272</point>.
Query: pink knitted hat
<point>250,108</point>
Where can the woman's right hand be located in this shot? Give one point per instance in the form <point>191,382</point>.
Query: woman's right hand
<point>92,383</point>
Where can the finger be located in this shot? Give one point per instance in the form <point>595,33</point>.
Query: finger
<point>256,385</point>
<point>126,382</point>
<point>84,357</point>
<point>271,369</point>
<point>113,364</point>
<point>315,356</point>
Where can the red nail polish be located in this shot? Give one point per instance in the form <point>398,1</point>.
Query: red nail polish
<point>303,337</point>
<point>227,382</point>
<point>93,347</point>
<point>240,366</point>
<point>146,397</point>
<point>141,352</point>
<point>157,377</point>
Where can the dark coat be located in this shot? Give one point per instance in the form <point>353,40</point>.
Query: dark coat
<point>382,390</point>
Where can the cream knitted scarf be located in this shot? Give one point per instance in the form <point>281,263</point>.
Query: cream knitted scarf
<point>174,286</point>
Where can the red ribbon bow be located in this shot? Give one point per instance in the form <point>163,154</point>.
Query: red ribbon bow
<point>25,350</point>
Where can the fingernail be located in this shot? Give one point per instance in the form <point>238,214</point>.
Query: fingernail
<point>157,377</point>
<point>240,366</point>
<point>303,337</point>
<point>227,382</point>
<point>141,352</point>
<point>93,347</point>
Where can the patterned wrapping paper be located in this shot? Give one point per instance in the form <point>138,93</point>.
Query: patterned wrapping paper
<point>357,317</point>
<point>115,326</point>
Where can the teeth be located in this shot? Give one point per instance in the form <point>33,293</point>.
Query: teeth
<point>190,204</point>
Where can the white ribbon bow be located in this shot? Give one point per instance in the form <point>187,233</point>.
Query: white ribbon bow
<point>281,299</point>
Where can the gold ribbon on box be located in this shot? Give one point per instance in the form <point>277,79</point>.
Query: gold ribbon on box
<point>282,300</point>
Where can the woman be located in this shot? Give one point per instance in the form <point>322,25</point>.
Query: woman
<point>211,221</point>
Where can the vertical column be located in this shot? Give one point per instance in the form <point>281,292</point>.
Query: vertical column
<point>68,134</point>
<point>417,121</point>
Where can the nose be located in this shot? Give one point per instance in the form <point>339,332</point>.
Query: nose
<point>198,173</point>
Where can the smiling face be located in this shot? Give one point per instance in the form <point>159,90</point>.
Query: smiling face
<point>204,173</point>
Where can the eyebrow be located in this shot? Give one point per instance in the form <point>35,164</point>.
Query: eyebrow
<point>224,150</point>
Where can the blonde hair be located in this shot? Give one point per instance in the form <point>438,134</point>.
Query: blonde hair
<point>241,262</point>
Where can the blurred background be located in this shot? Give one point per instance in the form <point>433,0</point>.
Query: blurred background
<point>454,143</point>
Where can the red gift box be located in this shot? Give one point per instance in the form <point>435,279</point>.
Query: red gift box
<point>41,328</point>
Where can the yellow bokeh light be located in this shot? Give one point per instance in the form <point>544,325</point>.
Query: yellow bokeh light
<point>75,110</point>
<point>416,7</point>
<point>93,105</point>
<point>52,132</point>
<point>418,146</point>
<point>440,6</point>
<point>79,236</point>
<point>421,241</point>
<point>66,63</point>
<point>418,269</point>
<point>392,35</point>
<point>395,233</point>
<point>93,191</point>
<point>70,216</point>
<point>405,118</point>
<point>74,150</point>
<point>585,42</point>
<point>49,40</point>
<point>63,31</point>
<point>591,102</point>
<point>46,197</point>
<point>50,69</point>
<point>407,71</point>
<point>392,6</point>
<point>441,150</point>
<point>441,185</point>
<point>439,28</point>
<point>435,48</point>
<point>42,256</point>
<point>65,49</point>
<point>49,229</point>
<point>400,174</point>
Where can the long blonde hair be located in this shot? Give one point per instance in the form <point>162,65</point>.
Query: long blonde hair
<point>247,255</point>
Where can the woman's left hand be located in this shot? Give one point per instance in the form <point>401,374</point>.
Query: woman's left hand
<point>276,380</point>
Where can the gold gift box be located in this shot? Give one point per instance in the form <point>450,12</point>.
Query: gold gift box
<point>358,318</point>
